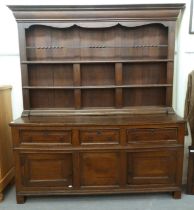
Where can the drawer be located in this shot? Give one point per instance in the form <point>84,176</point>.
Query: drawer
<point>149,134</point>
<point>46,136</point>
<point>99,136</point>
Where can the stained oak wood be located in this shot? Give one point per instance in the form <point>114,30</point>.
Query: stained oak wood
<point>154,134</point>
<point>149,165</point>
<point>51,99</point>
<point>50,75</point>
<point>46,170</point>
<point>97,86</point>
<point>95,164</point>
<point>77,81</point>
<point>99,136</point>
<point>63,61</point>
<point>138,73</point>
<point>144,96</point>
<point>46,136</point>
<point>97,43</point>
<point>113,55</point>
<point>156,167</point>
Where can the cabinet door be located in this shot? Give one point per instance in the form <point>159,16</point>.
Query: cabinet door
<point>99,169</point>
<point>46,170</point>
<point>153,167</point>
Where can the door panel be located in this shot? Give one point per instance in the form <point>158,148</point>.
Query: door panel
<point>47,169</point>
<point>99,168</point>
<point>152,167</point>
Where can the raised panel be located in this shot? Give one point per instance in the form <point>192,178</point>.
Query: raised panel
<point>99,169</point>
<point>152,167</point>
<point>155,135</point>
<point>47,170</point>
<point>99,136</point>
<point>46,136</point>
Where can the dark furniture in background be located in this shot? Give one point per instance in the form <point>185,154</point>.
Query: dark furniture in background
<point>189,116</point>
<point>97,89</point>
<point>190,177</point>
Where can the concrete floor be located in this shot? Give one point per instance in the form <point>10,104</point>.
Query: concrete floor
<point>154,201</point>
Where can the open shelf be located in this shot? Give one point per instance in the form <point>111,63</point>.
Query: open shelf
<point>144,97</point>
<point>51,99</point>
<point>98,85</point>
<point>50,75</point>
<point>78,68</point>
<point>147,73</point>
<point>49,43</point>
<point>97,97</point>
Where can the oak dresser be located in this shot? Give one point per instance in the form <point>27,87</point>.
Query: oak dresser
<point>97,90</point>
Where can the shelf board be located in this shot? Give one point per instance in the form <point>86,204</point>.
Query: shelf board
<point>94,46</point>
<point>99,111</point>
<point>96,61</point>
<point>98,87</point>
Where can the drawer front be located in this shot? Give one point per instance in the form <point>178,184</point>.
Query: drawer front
<point>99,136</point>
<point>149,134</point>
<point>46,136</point>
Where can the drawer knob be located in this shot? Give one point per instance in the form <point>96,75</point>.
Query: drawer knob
<point>45,133</point>
<point>98,132</point>
<point>70,186</point>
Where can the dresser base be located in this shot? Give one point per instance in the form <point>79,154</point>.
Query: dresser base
<point>80,156</point>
